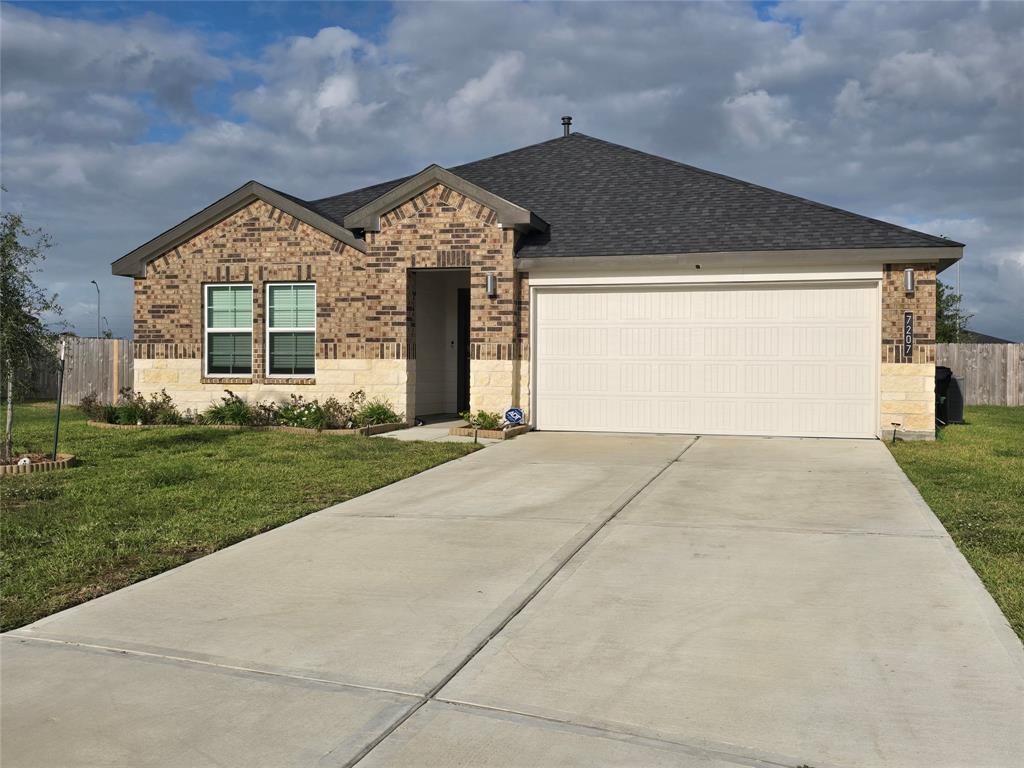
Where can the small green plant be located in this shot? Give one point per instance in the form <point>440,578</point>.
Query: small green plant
<point>130,408</point>
<point>482,419</point>
<point>376,412</point>
<point>234,410</point>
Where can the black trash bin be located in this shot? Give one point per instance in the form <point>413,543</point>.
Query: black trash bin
<point>955,396</point>
<point>949,399</point>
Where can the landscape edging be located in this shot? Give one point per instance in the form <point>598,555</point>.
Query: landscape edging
<point>64,460</point>
<point>373,429</point>
<point>491,434</point>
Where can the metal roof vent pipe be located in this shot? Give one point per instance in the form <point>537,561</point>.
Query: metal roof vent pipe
<point>566,124</point>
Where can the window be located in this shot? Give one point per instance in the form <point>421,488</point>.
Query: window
<point>291,329</point>
<point>228,330</point>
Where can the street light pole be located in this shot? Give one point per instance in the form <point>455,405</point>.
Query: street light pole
<point>99,333</point>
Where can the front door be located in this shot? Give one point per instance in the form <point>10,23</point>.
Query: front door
<point>463,351</point>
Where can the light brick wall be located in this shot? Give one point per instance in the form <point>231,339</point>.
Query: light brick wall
<point>908,383</point>
<point>182,378</point>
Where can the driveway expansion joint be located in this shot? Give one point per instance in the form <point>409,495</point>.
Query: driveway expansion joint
<point>201,663</point>
<point>705,749</point>
<point>586,539</point>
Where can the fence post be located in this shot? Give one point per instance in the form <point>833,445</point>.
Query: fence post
<point>115,359</point>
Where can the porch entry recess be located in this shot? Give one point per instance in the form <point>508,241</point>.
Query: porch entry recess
<point>441,315</point>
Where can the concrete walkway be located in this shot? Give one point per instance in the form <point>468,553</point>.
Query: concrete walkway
<point>435,430</point>
<point>554,600</point>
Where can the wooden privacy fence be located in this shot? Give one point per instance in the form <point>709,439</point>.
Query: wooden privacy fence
<point>993,374</point>
<point>103,366</point>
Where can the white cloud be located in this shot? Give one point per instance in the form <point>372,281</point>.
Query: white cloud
<point>905,111</point>
<point>760,119</point>
<point>850,103</point>
<point>794,62</point>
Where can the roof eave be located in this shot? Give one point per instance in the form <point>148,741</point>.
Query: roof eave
<point>133,264</point>
<point>942,256</point>
<point>509,214</point>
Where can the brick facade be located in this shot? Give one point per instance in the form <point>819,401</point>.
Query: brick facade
<point>441,228</point>
<point>364,300</point>
<point>896,301</point>
<point>907,399</point>
<point>365,308</point>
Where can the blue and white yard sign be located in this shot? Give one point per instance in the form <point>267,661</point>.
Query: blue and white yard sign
<point>514,416</point>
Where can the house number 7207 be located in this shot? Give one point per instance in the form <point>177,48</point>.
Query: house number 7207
<point>908,334</point>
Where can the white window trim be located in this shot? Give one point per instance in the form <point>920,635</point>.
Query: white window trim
<point>207,331</point>
<point>268,331</point>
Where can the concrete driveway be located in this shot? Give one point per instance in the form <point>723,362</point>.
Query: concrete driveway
<point>557,600</point>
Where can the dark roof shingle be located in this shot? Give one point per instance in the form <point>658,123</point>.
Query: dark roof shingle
<point>604,199</point>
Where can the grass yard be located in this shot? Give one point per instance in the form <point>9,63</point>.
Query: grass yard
<point>140,502</point>
<point>973,478</point>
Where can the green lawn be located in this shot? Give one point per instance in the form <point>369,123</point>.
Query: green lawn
<point>973,477</point>
<point>140,502</point>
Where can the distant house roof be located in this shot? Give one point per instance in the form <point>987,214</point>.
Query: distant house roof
<point>593,198</point>
<point>974,337</point>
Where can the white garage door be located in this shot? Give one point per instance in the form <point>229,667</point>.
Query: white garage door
<point>766,360</point>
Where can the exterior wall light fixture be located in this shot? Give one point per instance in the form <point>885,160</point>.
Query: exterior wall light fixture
<point>492,287</point>
<point>908,280</point>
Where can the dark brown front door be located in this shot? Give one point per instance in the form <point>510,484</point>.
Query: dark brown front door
<point>463,351</point>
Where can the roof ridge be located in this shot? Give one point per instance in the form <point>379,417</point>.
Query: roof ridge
<point>395,182</point>
<point>512,151</point>
<point>762,188</point>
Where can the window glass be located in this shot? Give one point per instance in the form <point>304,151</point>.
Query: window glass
<point>229,306</point>
<point>291,329</point>
<point>292,306</point>
<point>292,353</point>
<point>229,330</point>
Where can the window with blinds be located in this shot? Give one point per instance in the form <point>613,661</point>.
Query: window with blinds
<point>228,330</point>
<point>291,329</point>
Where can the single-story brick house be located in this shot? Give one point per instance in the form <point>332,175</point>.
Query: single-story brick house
<point>596,286</point>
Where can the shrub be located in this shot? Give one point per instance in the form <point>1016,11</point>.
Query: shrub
<point>299,412</point>
<point>161,410</point>
<point>234,410</point>
<point>93,409</point>
<point>130,408</point>
<point>482,419</point>
<point>330,414</point>
<point>376,412</point>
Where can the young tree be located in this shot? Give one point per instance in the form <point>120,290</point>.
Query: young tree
<point>24,338</point>
<point>950,318</point>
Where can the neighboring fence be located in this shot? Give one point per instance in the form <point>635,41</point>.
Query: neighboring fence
<point>993,374</point>
<point>103,366</point>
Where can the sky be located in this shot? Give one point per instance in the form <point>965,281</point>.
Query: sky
<point>119,120</point>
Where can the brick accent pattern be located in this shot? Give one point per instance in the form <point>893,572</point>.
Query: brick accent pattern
<point>442,228</point>
<point>895,301</point>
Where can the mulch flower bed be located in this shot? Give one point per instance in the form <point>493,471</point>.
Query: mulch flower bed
<point>373,429</point>
<point>39,462</point>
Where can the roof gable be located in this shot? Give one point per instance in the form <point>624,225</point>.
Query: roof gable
<point>134,264</point>
<point>367,216</point>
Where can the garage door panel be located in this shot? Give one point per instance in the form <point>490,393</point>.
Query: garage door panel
<point>729,360</point>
